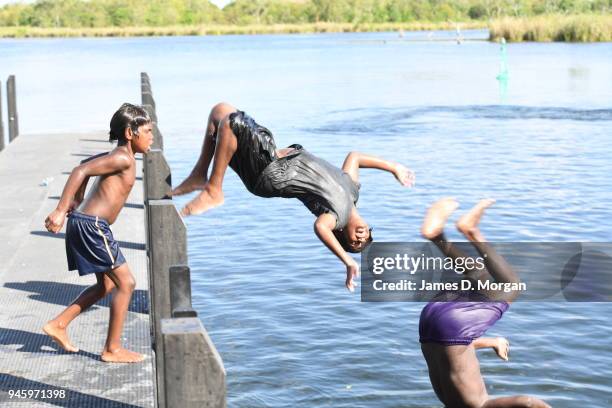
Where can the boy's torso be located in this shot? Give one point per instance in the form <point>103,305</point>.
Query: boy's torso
<point>321,186</point>
<point>109,194</point>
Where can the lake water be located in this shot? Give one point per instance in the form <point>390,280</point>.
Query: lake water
<point>271,296</point>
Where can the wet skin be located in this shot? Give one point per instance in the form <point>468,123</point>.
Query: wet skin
<point>454,370</point>
<point>220,151</point>
<point>116,172</point>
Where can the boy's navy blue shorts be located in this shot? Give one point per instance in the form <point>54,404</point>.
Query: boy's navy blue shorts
<point>90,246</point>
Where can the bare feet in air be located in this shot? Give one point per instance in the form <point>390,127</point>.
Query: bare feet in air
<point>404,175</point>
<point>468,223</point>
<point>59,335</point>
<point>191,183</point>
<point>121,355</point>
<point>502,348</point>
<point>436,217</point>
<point>207,199</point>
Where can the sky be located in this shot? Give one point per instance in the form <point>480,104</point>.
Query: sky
<point>219,3</point>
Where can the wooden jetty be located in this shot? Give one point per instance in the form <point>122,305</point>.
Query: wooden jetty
<point>182,369</point>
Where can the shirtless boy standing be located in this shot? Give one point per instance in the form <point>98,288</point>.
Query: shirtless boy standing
<point>90,246</point>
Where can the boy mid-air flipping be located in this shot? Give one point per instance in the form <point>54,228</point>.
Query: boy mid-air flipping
<point>451,330</point>
<point>90,246</point>
<point>235,139</point>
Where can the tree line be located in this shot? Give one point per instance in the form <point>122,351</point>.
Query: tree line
<point>159,13</point>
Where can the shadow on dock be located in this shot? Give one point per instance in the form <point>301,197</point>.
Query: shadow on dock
<point>67,173</point>
<point>71,398</point>
<point>96,140</point>
<point>36,343</point>
<point>63,294</point>
<point>126,205</point>
<point>122,244</point>
<point>89,155</point>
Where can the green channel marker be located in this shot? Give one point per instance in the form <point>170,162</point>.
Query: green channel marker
<point>503,69</point>
<point>502,77</point>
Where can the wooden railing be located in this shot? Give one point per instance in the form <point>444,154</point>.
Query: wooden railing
<point>189,371</point>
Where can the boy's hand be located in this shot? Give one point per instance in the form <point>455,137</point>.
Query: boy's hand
<point>404,175</point>
<point>55,221</point>
<point>352,271</point>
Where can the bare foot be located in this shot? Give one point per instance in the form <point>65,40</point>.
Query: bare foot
<point>436,217</point>
<point>502,348</point>
<point>59,335</point>
<point>191,183</point>
<point>207,199</point>
<point>404,175</point>
<point>121,355</point>
<point>468,223</point>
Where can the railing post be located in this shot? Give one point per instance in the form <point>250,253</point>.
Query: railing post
<point>195,372</point>
<point>147,97</point>
<point>168,246</point>
<point>157,184</point>
<point>188,369</point>
<point>145,84</point>
<point>158,139</point>
<point>13,121</point>
<point>1,122</point>
<point>158,177</point>
<point>145,81</point>
<point>180,292</point>
<point>148,103</point>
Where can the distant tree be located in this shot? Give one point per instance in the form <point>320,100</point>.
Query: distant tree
<point>477,12</point>
<point>100,13</point>
<point>119,16</point>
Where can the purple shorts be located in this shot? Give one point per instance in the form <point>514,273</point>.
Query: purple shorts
<point>459,321</point>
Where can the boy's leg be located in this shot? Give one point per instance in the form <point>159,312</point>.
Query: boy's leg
<point>212,195</point>
<point>113,352</point>
<point>433,230</point>
<point>56,328</point>
<point>497,266</point>
<point>199,174</point>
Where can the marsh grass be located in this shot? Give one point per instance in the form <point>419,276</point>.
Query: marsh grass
<point>568,28</point>
<point>27,32</point>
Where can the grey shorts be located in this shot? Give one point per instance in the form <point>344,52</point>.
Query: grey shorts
<point>256,148</point>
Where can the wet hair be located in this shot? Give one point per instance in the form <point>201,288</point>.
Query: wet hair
<point>341,237</point>
<point>127,115</point>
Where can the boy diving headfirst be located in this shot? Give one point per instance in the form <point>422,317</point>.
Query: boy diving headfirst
<point>90,246</point>
<point>235,139</point>
<point>450,330</point>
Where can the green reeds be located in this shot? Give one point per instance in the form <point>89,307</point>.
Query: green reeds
<point>26,32</point>
<point>568,28</point>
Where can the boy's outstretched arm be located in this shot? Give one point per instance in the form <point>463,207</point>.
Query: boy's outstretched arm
<point>355,160</point>
<point>323,228</point>
<point>107,164</point>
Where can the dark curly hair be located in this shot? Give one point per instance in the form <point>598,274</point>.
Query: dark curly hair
<point>127,115</point>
